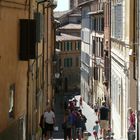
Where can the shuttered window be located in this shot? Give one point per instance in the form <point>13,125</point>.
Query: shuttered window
<point>107,68</point>
<point>117,21</point>
<point>68,46</point>
<point>93,46</point>
<point>95,73</point>
<point>68,62</point>
<point>101,46</point>
<point>27,39</point>
<point>39,26</point>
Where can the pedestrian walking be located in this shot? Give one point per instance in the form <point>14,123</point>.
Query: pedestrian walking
<point>96,107</point>
<point>83,120</point>
<point>131,120</point>
<point>96,130</point>
<point>67,124</point>
<point>49,117</point>
<point>103,117</point>
<point>73,129</point>
<point>78,127</point>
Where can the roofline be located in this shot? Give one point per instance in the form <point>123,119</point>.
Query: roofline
<point>84,3</point>
<point>69,12</point>
<point>96,12</point>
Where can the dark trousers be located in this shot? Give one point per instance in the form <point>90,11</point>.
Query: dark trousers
<point>131,135</point>
<point>67,133</point>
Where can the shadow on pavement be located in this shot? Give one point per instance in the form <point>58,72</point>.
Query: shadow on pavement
<point>58,108</point>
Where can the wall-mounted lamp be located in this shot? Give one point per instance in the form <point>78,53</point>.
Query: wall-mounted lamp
<point>57,51</point>
<point>57,75</point>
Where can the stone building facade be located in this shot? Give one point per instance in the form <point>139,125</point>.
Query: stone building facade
<point>25,58</point>
<point>123,64</point>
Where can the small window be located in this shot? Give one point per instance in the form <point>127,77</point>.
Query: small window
<point>68,62</point>
<point>102,51</point>
<point>77,61</point>
<point>96,73</point>
<point>11,101</point>
<point>78,45</point>
<point>93,47</point>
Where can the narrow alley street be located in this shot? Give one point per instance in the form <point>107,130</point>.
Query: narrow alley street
<point>58,108</point>
<point>55,54</point>
<point>86,110</point>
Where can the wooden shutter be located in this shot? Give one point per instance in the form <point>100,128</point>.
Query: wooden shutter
<point>95,73</point>
<point>39,26</point>
<point>27,39</point>
<point>107,69</point>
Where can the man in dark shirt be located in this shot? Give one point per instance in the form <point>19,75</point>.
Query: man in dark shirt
<point>104,118</point>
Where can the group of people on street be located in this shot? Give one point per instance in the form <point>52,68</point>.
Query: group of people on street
<point>74,121</point>
<point>102,123</point>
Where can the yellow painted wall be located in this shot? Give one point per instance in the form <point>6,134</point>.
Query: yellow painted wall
<point>12,70</point>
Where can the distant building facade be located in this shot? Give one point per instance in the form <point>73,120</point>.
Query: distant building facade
<point>85,52</point>
<point>97,55</point>
<point>108,58</point>
<point>69,61</point>
<point>69,43</point>
<point>75,3</point>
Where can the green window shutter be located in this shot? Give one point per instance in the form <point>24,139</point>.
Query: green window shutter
<point>39,26</point>
<point>79,45</point>
<point>67,46</point>
<point>71,46</point>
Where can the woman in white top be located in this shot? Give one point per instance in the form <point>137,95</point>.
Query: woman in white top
<point>49,118</point>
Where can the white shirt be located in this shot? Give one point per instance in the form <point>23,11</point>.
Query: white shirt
<point>49,117</point>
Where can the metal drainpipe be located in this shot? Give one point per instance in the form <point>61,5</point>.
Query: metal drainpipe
<point>55,67</point>
<point>43,60</point>
<point>109,18</point>
<point>47,57</point>
<point>134,47</point>
<point>138,69</point>
<point>134,40</point>
<point>37,88</point>
<point>28,79</point>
